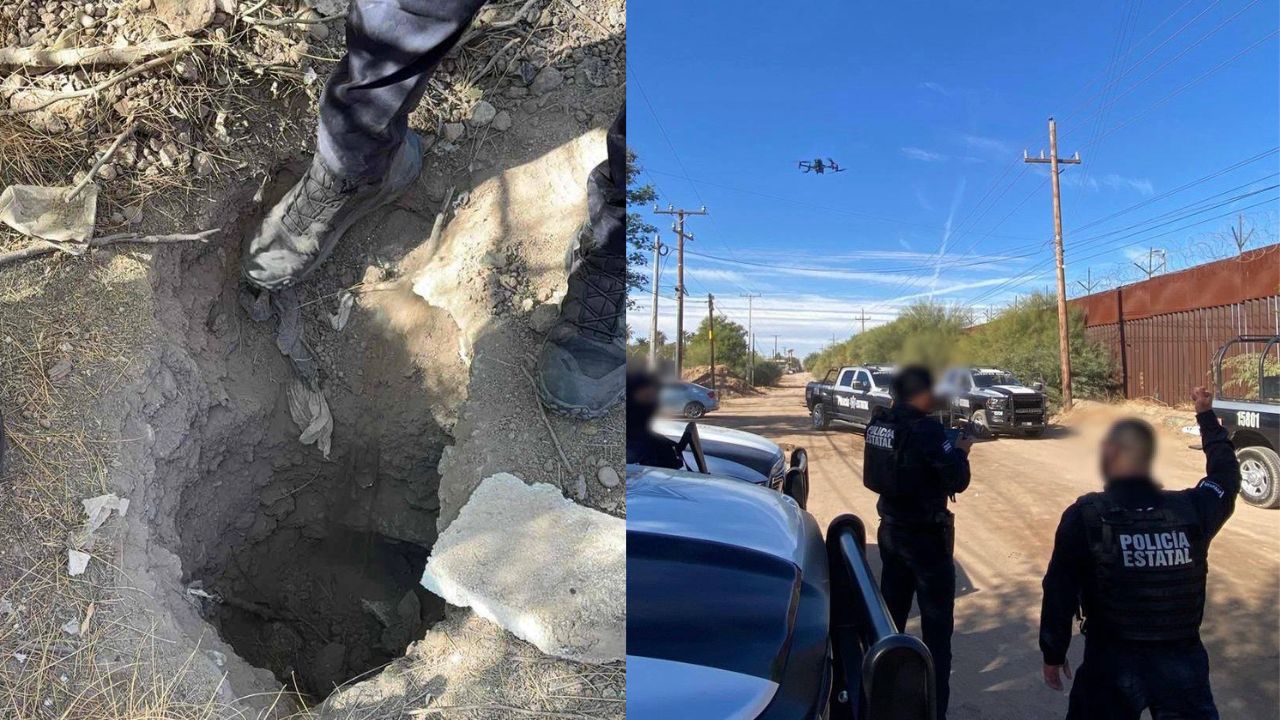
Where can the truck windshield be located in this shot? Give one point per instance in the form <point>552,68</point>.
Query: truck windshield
<point>983,380</point>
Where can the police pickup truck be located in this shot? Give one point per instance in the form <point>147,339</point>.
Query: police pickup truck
<point>849,394</point>
<point>1246,375</point>
<point>992,401</point>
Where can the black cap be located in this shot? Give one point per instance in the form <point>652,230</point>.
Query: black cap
<point>911,381</point>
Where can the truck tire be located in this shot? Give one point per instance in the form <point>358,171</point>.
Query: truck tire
<point>694,410</point>
<point>820,419</point>
<point>981,428</point>
<point>1259,476</point>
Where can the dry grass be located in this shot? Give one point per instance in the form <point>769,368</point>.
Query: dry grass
<point>244,95</point>
<point>256,83</point>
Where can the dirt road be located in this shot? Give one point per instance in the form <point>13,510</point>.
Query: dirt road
<point>1004,535</point>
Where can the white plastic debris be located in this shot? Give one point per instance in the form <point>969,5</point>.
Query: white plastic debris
<point>338,320</point>
<point>76,562</point>
<point>45,212</point>
<point>546,569</point>
<point>99,508</point>
<point>310,411</point>
<point>1191,430</point>
<point>71,627</point>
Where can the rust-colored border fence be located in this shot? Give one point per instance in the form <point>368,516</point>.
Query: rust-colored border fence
<point>1163,332</point>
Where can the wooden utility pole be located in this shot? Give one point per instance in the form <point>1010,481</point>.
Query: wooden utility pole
<point>653,313</point>
<point>678,229</point>
<point>1064,344</point>
<point>864,320</point>
<point>751,342</point>
<point>775,346</point>
<point>711,335</point>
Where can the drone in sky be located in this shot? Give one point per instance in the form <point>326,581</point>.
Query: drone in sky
<point>818,167</point>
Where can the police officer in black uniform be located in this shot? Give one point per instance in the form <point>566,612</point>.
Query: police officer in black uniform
<point>644,446</point>
<point>1132,560</point>
<point>915,466</point>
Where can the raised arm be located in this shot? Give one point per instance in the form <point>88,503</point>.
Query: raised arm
<point>1215,495</point>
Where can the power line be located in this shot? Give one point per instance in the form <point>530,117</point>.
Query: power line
<point>1028,273</point>
<point>826,208</point>
<point>1156,104</point>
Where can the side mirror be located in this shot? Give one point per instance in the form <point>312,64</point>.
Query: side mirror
<point>795,485</point>
<point>859,386</point>
<point>1037,386</point>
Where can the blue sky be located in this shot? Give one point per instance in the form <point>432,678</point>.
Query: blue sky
<point>929,106</point>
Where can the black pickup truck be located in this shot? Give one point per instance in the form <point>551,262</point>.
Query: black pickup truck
<point>1246,375</point>
<point>992,401</point>
<point>849,394</point>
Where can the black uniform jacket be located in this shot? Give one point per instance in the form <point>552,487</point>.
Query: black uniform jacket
<point>926,450</point>
<point>1070,574</point>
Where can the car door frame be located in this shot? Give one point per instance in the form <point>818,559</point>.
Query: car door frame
<point>842,395</point>
<point>860,409</point>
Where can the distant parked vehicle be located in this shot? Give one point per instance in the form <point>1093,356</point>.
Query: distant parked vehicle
<point>992,401</point>
<point>1246,399</point>
<point>849,394</point>
<point>686,399</point>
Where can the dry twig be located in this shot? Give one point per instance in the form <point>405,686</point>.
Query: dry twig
<point>88,178</point>
<point>545,421</point>
<point>94,90</point>
<point>89,56</point>
<point>46,248</point>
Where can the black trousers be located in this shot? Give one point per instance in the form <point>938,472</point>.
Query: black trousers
<point>917,561</point>
<point>392,48</point>
<point>1118,680</point>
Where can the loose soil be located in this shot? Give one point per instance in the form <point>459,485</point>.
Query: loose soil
<point>253,577</point>
<point>727,384</point>
<point>1004,535</point>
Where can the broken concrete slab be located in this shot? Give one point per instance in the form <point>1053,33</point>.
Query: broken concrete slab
<point>548,570</point>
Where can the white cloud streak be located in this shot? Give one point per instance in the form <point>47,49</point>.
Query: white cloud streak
<point>923,155</point>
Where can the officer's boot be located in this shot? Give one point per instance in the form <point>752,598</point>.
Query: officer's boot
<point>582,365</point>
<point>302,229</point>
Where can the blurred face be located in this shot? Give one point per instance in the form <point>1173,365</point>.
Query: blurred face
<point>1107,459</point>
<point>642,405</point>
<point>1121,459</point>
<point>923,401</point>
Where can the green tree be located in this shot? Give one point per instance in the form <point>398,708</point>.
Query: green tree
<point>731,345</point>
<point>638,349</point>
<point>639,232</point>
<point>924,333</point>
<point>1024,341</point>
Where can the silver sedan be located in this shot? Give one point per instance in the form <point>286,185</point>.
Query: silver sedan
<point>686,399</point>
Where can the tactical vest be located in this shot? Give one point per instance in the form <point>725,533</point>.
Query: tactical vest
<point>882,465</point>
<point>1150,567</point>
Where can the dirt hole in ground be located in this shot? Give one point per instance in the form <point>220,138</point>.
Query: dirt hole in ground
<point>308,567</point>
